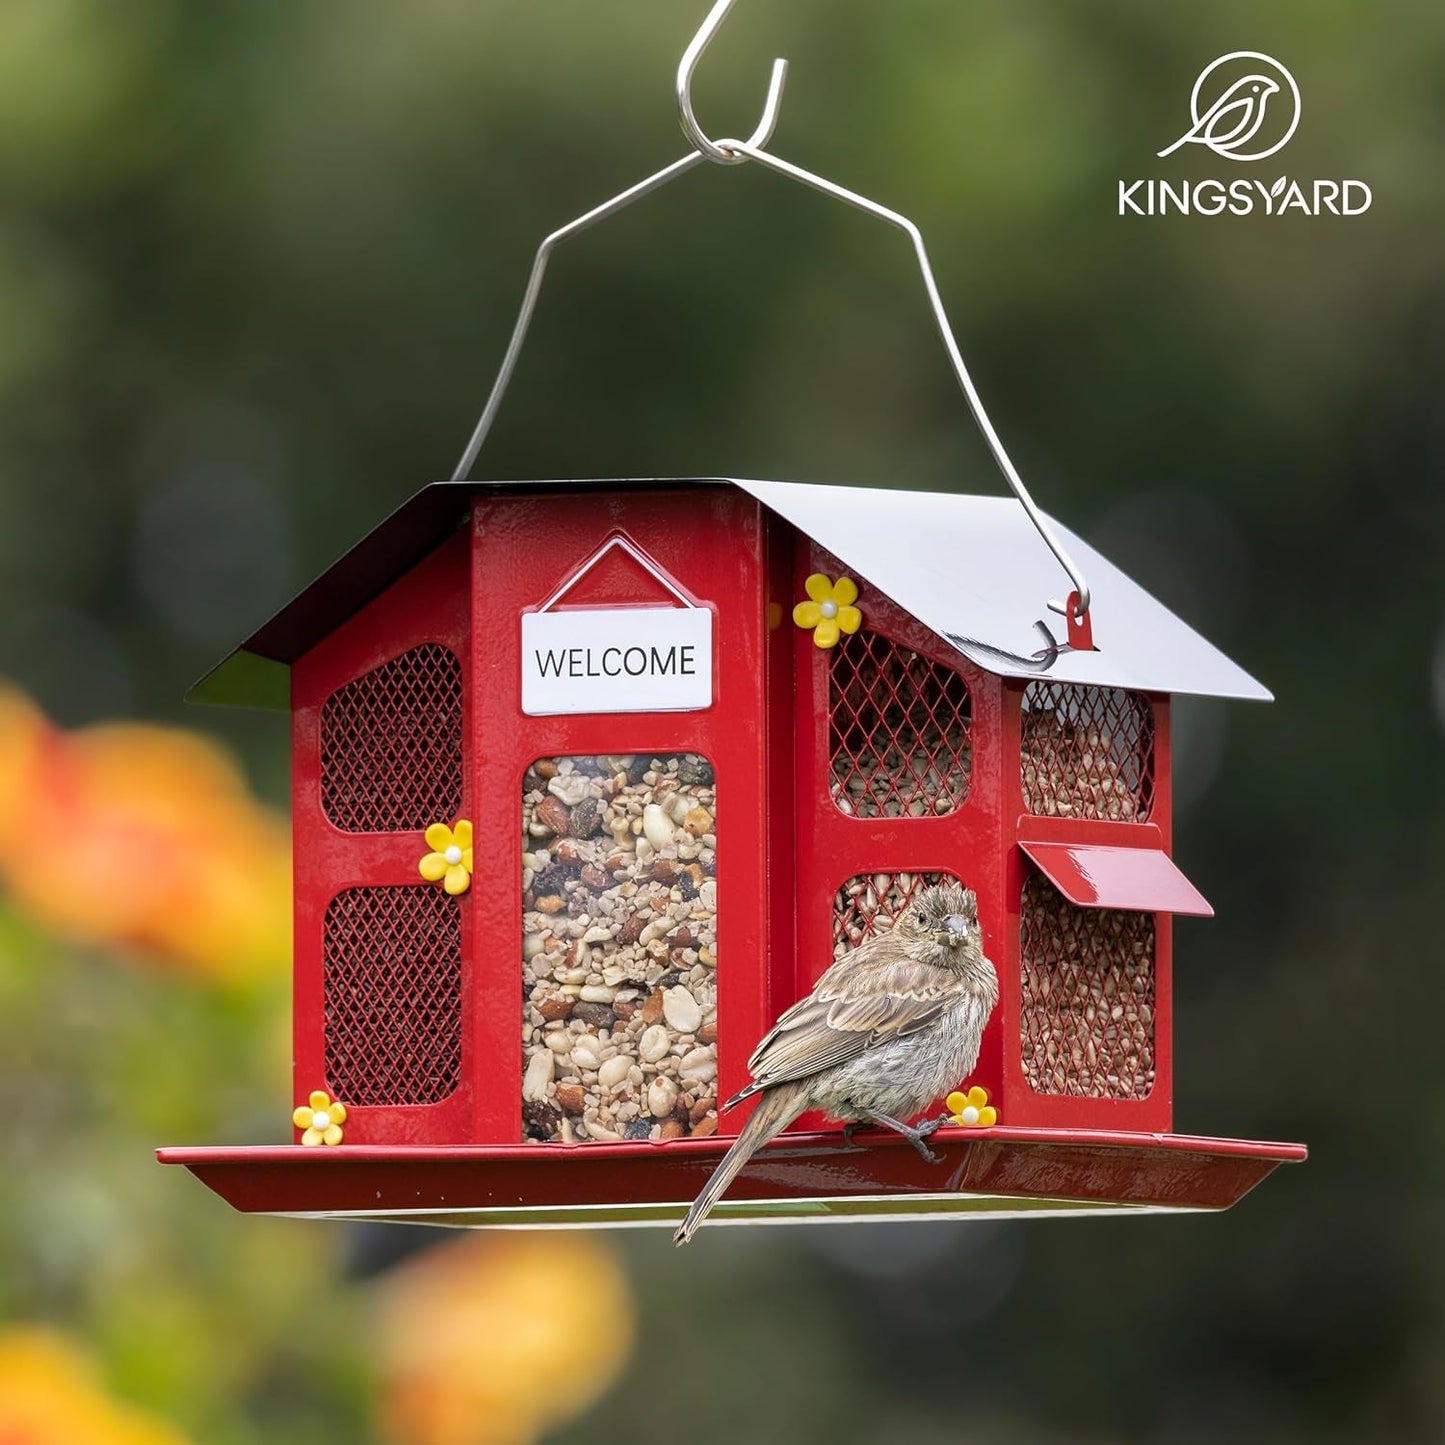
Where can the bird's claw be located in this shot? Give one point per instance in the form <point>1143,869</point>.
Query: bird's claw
<point>915,1136</point>
<point>927,1130</point>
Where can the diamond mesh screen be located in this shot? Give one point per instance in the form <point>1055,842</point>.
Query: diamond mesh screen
<point>1087,1007</point>
<point>1087,752</point>
<point>869,903</point>
<point>391,745</point>
<point>899,731</point>
<point>392,971</point>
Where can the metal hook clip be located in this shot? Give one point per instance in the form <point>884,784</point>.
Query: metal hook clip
<point>688,117</point>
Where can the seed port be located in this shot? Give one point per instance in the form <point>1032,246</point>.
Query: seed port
<point>1087,1003</point>
<point>391,745</point>
<point>1087,752</point>
<point>899,731</point>
<point>392,975</point>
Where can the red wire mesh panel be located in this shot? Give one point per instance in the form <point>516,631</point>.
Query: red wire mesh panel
<point>392,971</point>
<point>1087,1006</point>
<point>869,903</point>
<point>391,745</point>
<point>1087,752</point>
<point>898,731</point>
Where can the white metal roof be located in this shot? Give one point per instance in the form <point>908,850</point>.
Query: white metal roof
<point>975,571</point>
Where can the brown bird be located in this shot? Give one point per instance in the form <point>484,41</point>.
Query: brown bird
<point>890,1027</point>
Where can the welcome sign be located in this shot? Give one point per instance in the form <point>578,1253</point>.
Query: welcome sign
<point>616,659</point>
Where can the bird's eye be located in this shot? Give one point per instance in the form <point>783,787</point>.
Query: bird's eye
<point>921,919</point>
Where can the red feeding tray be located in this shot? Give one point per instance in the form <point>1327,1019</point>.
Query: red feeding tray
<point>987,1174</point>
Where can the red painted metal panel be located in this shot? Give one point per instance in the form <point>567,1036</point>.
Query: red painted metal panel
<point>711,541</point>
<point>1093,875</point>
<point>428,605</point>
<point>1027,1106</point>
<point>831,847</point>
<point>1105,1167</point>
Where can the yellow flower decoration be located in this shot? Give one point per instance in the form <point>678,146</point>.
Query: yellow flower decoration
<point>829,610</point>
<point>450,861</point>
<point>972,1110</point>
<point>321,1119</point>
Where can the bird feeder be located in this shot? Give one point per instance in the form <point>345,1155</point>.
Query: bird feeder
<point>593,779</point>
<point>682,809</point>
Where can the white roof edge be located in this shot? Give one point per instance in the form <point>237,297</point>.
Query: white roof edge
<point>976,572</point>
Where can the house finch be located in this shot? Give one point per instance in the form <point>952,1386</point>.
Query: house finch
<point>890,1027</point>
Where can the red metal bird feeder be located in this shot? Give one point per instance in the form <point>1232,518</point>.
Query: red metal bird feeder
<point>593,779</point>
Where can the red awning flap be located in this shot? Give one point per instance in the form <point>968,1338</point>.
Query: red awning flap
<point>1145,880</point>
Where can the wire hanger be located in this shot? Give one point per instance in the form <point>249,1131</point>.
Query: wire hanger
<point>734,152</point>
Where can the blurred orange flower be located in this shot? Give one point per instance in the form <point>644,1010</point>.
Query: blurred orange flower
<point>142,837</point>
<point>49,1396</point>
<point>481,1341</point>
<point>24,734</point>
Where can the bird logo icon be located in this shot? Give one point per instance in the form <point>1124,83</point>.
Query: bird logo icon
<point>1242,115</point>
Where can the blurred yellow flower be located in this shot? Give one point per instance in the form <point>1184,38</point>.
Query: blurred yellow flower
<point>829,610</point>
<point>475,1349</point>
<point>166,854</point>
<point>49,1395</point>
<point>972,1110</point>
<point>450,861</point>
<point>321,1119</point>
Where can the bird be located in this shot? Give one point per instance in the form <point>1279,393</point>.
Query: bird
<point>1233,120</point>
<point>890,1027</point>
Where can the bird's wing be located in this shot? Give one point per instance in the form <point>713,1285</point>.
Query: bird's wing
<point>873,995</point>
<point>1225,124</point>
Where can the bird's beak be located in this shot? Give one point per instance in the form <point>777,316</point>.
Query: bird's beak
<point>955,930</point>
<point>1270,86</point>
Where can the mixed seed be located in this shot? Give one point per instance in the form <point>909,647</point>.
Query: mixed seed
<point>619,948</point>
<point>914,775</point>
<point>870,903</point>
<point>1087,997</point>
<point>1079,769</point>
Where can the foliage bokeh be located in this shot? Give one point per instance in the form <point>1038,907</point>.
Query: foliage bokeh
<point>257,262</point>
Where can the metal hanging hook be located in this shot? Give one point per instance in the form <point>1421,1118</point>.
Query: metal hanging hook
<point>730,152</point>
<point>688,117</point>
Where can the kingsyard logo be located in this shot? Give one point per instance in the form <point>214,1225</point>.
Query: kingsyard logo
<point>1245,111</point>
<point>1245,106</point>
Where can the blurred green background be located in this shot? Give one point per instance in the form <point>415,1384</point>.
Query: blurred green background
<point>258,262</point>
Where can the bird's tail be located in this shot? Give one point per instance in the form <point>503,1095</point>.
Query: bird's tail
<point>777,1109</point>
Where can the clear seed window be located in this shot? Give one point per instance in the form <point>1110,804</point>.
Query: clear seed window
<point>869,903</point>
<point>1087,1006</point>
<point>619,948</point>
<point>391,745</point>
<point>1088,752</point>
<point>898,731</point>
<point>392,974</point>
